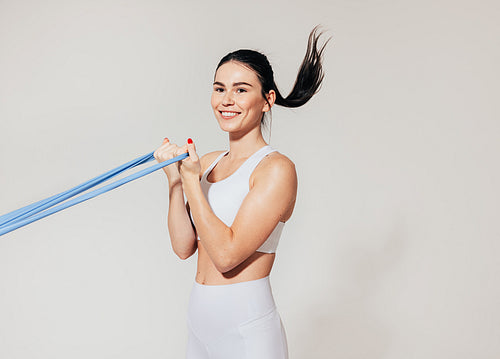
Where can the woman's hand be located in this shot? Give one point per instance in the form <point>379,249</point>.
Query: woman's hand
<point>166,152</point>
<point>190,167</point>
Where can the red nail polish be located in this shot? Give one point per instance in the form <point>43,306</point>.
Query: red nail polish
<point>166,138</point>
<point>190,141</point>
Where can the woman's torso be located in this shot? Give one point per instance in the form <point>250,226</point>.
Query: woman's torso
<point>257,265</point>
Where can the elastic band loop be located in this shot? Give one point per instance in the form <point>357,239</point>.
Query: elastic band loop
<point>44,208</point>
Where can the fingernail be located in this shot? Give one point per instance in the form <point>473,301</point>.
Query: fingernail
<point>166,138</point>
<point>190,141</point>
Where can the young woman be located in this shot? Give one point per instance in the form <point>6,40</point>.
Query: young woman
<point>237,204</point>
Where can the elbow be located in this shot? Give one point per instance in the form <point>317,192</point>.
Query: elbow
<point>225,256</point>
<point>222,268</point>
<point>185,254</point>
<point>225,264</point>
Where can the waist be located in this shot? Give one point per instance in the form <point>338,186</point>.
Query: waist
<point>254,283</point>
<point>248,298</point>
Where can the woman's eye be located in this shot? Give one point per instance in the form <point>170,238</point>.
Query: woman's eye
<point>218,89</point>
<point>241,90</point>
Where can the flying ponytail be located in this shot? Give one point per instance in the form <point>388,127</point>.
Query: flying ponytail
<point>309,77</point>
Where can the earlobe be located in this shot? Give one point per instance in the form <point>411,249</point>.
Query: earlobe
<point>266,107</point>
<point>271,97</point>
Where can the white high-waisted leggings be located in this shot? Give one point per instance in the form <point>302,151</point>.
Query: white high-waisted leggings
<point>235,321</point>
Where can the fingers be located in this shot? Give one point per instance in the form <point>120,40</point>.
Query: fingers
<point>190,167</point>
<point>169,150</point>
<point>166,151</point>
<point>180,150</point>
<point>157,152</point>
<point>192,150</point>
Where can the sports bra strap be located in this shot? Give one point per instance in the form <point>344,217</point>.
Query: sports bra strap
<point>212,165</point>
<point>256,158</point>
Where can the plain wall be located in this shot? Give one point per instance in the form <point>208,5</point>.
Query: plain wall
<point>393,248</point>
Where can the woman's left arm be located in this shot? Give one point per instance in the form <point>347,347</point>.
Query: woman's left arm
<point>270,199</point>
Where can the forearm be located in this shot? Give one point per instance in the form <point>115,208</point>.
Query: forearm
<point>182,234</point>
<point>216,236</point>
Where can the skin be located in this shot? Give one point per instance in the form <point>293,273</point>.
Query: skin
<point>227,254</point>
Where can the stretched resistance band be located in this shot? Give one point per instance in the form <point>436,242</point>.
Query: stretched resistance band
<point>38,210</point>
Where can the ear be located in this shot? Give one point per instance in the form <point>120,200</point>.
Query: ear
<point>270,97</point>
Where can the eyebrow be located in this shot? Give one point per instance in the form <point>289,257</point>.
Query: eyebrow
<point>234,84</point>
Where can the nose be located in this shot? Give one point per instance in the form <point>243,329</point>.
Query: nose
<point>227,99</point>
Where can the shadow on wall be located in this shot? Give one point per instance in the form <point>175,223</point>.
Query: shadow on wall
<point>347,323</point>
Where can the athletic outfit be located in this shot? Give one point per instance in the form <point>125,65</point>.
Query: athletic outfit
<point>237,320</point>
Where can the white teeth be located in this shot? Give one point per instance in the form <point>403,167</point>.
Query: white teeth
<point>228,114</point>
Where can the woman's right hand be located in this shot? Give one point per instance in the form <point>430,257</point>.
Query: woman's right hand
<point>166,152</point>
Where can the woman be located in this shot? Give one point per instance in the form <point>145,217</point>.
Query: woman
<point>237,204</point>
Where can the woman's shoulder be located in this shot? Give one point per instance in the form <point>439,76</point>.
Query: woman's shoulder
<point>277,166</point>
<point>277,159</point>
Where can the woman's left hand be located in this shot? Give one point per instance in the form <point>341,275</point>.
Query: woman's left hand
<point>190,167</point>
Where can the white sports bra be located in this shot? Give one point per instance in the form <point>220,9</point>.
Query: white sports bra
<point>225,196</point>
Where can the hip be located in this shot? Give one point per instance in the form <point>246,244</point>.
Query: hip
<point>213,309</point>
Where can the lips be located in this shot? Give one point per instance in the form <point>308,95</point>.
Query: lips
<point>227,115</point>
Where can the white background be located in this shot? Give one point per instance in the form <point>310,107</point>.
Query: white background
<point>393,249</point>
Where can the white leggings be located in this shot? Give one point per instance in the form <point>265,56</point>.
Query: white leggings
<point>235,321</point>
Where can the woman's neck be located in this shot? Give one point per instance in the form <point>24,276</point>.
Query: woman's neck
<point>244,146</point>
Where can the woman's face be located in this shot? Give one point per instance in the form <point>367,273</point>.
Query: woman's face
<point>237,98</point>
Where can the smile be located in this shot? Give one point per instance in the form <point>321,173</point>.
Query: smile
<point>228,114</point>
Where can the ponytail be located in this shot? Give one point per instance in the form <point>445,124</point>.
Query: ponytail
<point>309,77</point>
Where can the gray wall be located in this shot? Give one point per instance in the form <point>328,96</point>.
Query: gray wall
<point>393,249</point>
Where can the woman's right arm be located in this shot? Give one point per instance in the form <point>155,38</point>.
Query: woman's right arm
<point>180,228</point>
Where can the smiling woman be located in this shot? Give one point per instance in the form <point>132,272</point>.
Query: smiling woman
<point>237,204</point>
<point>237,100</point>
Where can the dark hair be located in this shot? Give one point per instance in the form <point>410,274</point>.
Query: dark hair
<point>308,80</point>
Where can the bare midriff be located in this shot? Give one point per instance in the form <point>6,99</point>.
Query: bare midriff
<point>257,266</point>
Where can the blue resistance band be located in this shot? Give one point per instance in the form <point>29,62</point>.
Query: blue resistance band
<point>38,210</point>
